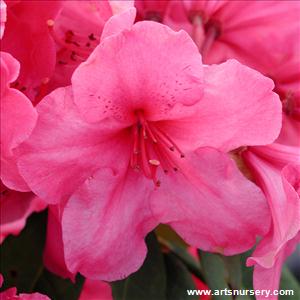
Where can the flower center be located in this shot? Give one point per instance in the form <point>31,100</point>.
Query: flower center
<point>152,148</point>
<point>74,47</point>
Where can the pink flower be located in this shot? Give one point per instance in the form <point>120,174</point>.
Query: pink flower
<point>139,139</point>
<point>11,294</point>
<point>282,192</point>
<point>15,208</point>
<point>79,28</point>
<point>18,119</point>
<point>27,38</point>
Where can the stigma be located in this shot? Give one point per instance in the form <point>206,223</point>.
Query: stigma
<point>152,149</point>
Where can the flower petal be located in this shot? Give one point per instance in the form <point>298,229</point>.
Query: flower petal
<point>104,225</point>
<point>131,71</point>
<point>269,278</point>
<point>54,258</point>
<point>63,150</point>
<point>18,118</point>
<point>285,210</point>
<point>238,108</point>
<point>211,205</point>
<point>119,22</point>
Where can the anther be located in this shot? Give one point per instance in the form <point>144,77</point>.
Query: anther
<point>50,22</point>
<point>154,162</point>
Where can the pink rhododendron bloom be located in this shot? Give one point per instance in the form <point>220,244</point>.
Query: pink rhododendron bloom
<point>18,118</point>
<point>15,208</point>
<point>27,38</point>
<point>78,29</point>
<point>282,191</point>
<point>283,66</point>
<point>11,294</point>
<point>219,27</point>
<point>140,139</point>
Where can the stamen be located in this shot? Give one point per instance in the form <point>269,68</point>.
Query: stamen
<point>135,152</point>
<point>198,31</point>
<point>211,35</point>
<point>145,158</point>
<point>154,162</point>
<point>151,149</point>
<point>164,137</point>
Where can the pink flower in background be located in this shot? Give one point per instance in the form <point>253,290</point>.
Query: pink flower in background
<point>219,28</point>
<point>79,28</point>
<point>281,187</point>
<point>18,118</point>
<point>27,38</point>
<point>11,294</point>
<point>135,146</point>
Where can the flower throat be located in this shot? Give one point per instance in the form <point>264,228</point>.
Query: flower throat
<point>152,148</point>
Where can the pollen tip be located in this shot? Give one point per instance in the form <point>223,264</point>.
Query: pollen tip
<point>157,183</point>
<point>175,169</point>
<point>166,171</point>
<point>172,148</point>
<point>50,22</point>
<point>154,162</point>
<point>182,155</point>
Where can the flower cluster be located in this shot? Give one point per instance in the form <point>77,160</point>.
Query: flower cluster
<point>118,116</point>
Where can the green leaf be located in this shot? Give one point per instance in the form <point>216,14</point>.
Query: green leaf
<point>247,272</point>
<point>58,288</point>
<point>149,282</point>
<point>179,280</point>
<point>234,271</point>
<point>215,273</point>
<point>181,253</point>
<point>289,282</point>
<point>21,256</point>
